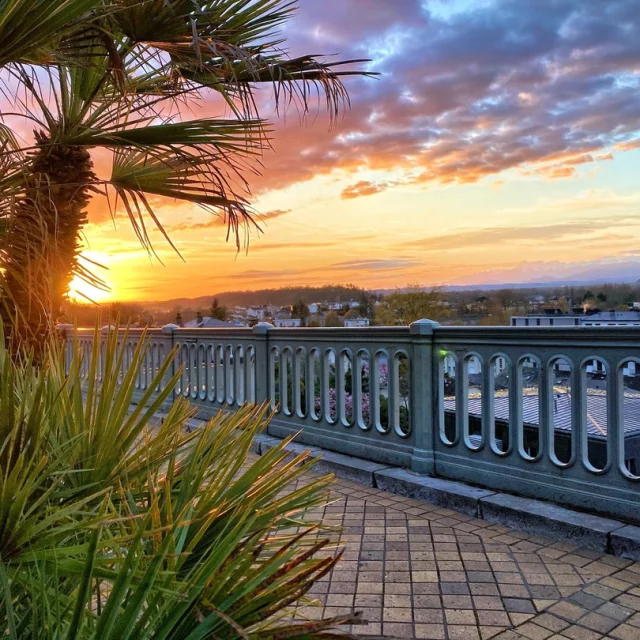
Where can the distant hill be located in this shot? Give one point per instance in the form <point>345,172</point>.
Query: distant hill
<point>279,297</point>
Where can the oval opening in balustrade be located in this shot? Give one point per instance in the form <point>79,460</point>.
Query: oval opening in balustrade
<point>158,358</point>
<point>275,379</point>
<point>630,418</point>
<point>83,362</point>
<point>499,371</point>
<point>250,374</point>
<point>595,434</point>
<point>345,388</point>
<point>300,382</point>
<point>380,391</point>
<point>329,387</point>
<point>473,383</point>
<point>239,365</point>
<point>220,374</point>
<point>211,373</point>
<point>400,388</point>
<point>447,409</point>
<point>229,375</point>
<point>194,370</point>
<point>528,427</point>
<point>286,381</point>
<point>315,387</point>
<point>561,398</point>
<point>183,383</point>
<point>145,367</point>
<point>202,372</point>
<point>361,389</point>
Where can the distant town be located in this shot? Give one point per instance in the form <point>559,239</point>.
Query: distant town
<point>350,306</point>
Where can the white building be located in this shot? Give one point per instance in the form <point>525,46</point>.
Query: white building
<point>314,307</point>
<point>357,322</point>
<point>259,313</point>
<point>598,319</point>
<point>289,323</point>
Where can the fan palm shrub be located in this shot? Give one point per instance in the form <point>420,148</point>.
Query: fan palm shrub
<point>122,78</point>
<point>116,525</point>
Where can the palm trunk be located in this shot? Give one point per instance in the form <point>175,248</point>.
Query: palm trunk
<point>42,245</point>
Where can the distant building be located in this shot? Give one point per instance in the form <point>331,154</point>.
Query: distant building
<point>357,322</point>
<point>354,304</point>
<point>205,322</point>
<point>590,318</point>
<point>289,323</point>
<point>314,307</point>
<point>258,312</point>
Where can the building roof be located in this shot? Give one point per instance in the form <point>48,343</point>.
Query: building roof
<point>208,323</point>
<point>596,411</point>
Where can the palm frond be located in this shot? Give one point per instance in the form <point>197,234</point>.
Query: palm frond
<point>115,527</point>
<point>30,29</point>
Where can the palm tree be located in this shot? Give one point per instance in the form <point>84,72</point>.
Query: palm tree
<point>118,78</point>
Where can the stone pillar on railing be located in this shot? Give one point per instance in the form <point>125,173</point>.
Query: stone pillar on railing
<point>423,397</point>
<point>167,331</point>
<point>261,345</point>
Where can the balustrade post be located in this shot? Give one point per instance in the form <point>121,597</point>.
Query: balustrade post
<point>261,345</point>
<point>423,401</point>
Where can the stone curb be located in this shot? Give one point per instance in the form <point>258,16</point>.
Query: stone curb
<point>444,493</point>
<point>532,516</point>
<point>546,518</point>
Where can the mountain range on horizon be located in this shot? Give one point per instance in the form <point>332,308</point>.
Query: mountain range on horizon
<point>529,276</point>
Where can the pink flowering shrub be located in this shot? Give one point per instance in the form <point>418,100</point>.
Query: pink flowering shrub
<point>384,374</point>
<point>348,406</point>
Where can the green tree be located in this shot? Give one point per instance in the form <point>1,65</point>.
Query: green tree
<point>301,311</point>
<point>218,311</point>
<point>365,308</point>
<point>106,76</point>
<point>403,308</point>
<point>332,319</point>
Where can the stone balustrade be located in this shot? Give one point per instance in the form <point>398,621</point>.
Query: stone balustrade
<point>551,413</point>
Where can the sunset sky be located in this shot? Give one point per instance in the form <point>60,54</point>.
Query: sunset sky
<point>500,143</point>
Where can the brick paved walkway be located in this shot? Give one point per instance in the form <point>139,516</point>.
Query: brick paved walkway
<point>419,571</point>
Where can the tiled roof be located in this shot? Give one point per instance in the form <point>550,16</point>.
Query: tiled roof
<point>596,411</point>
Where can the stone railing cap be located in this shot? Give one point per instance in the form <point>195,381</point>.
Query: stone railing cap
<point>169,328</point>
<point>423,327</point>
<point>262,327</point>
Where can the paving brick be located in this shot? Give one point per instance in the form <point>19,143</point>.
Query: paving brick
<point>625,632</point>
<point>568,611</point>
<point>532,631</point>
<point>551,622</point>
<point>597,622</point>
<point>417,570</point>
